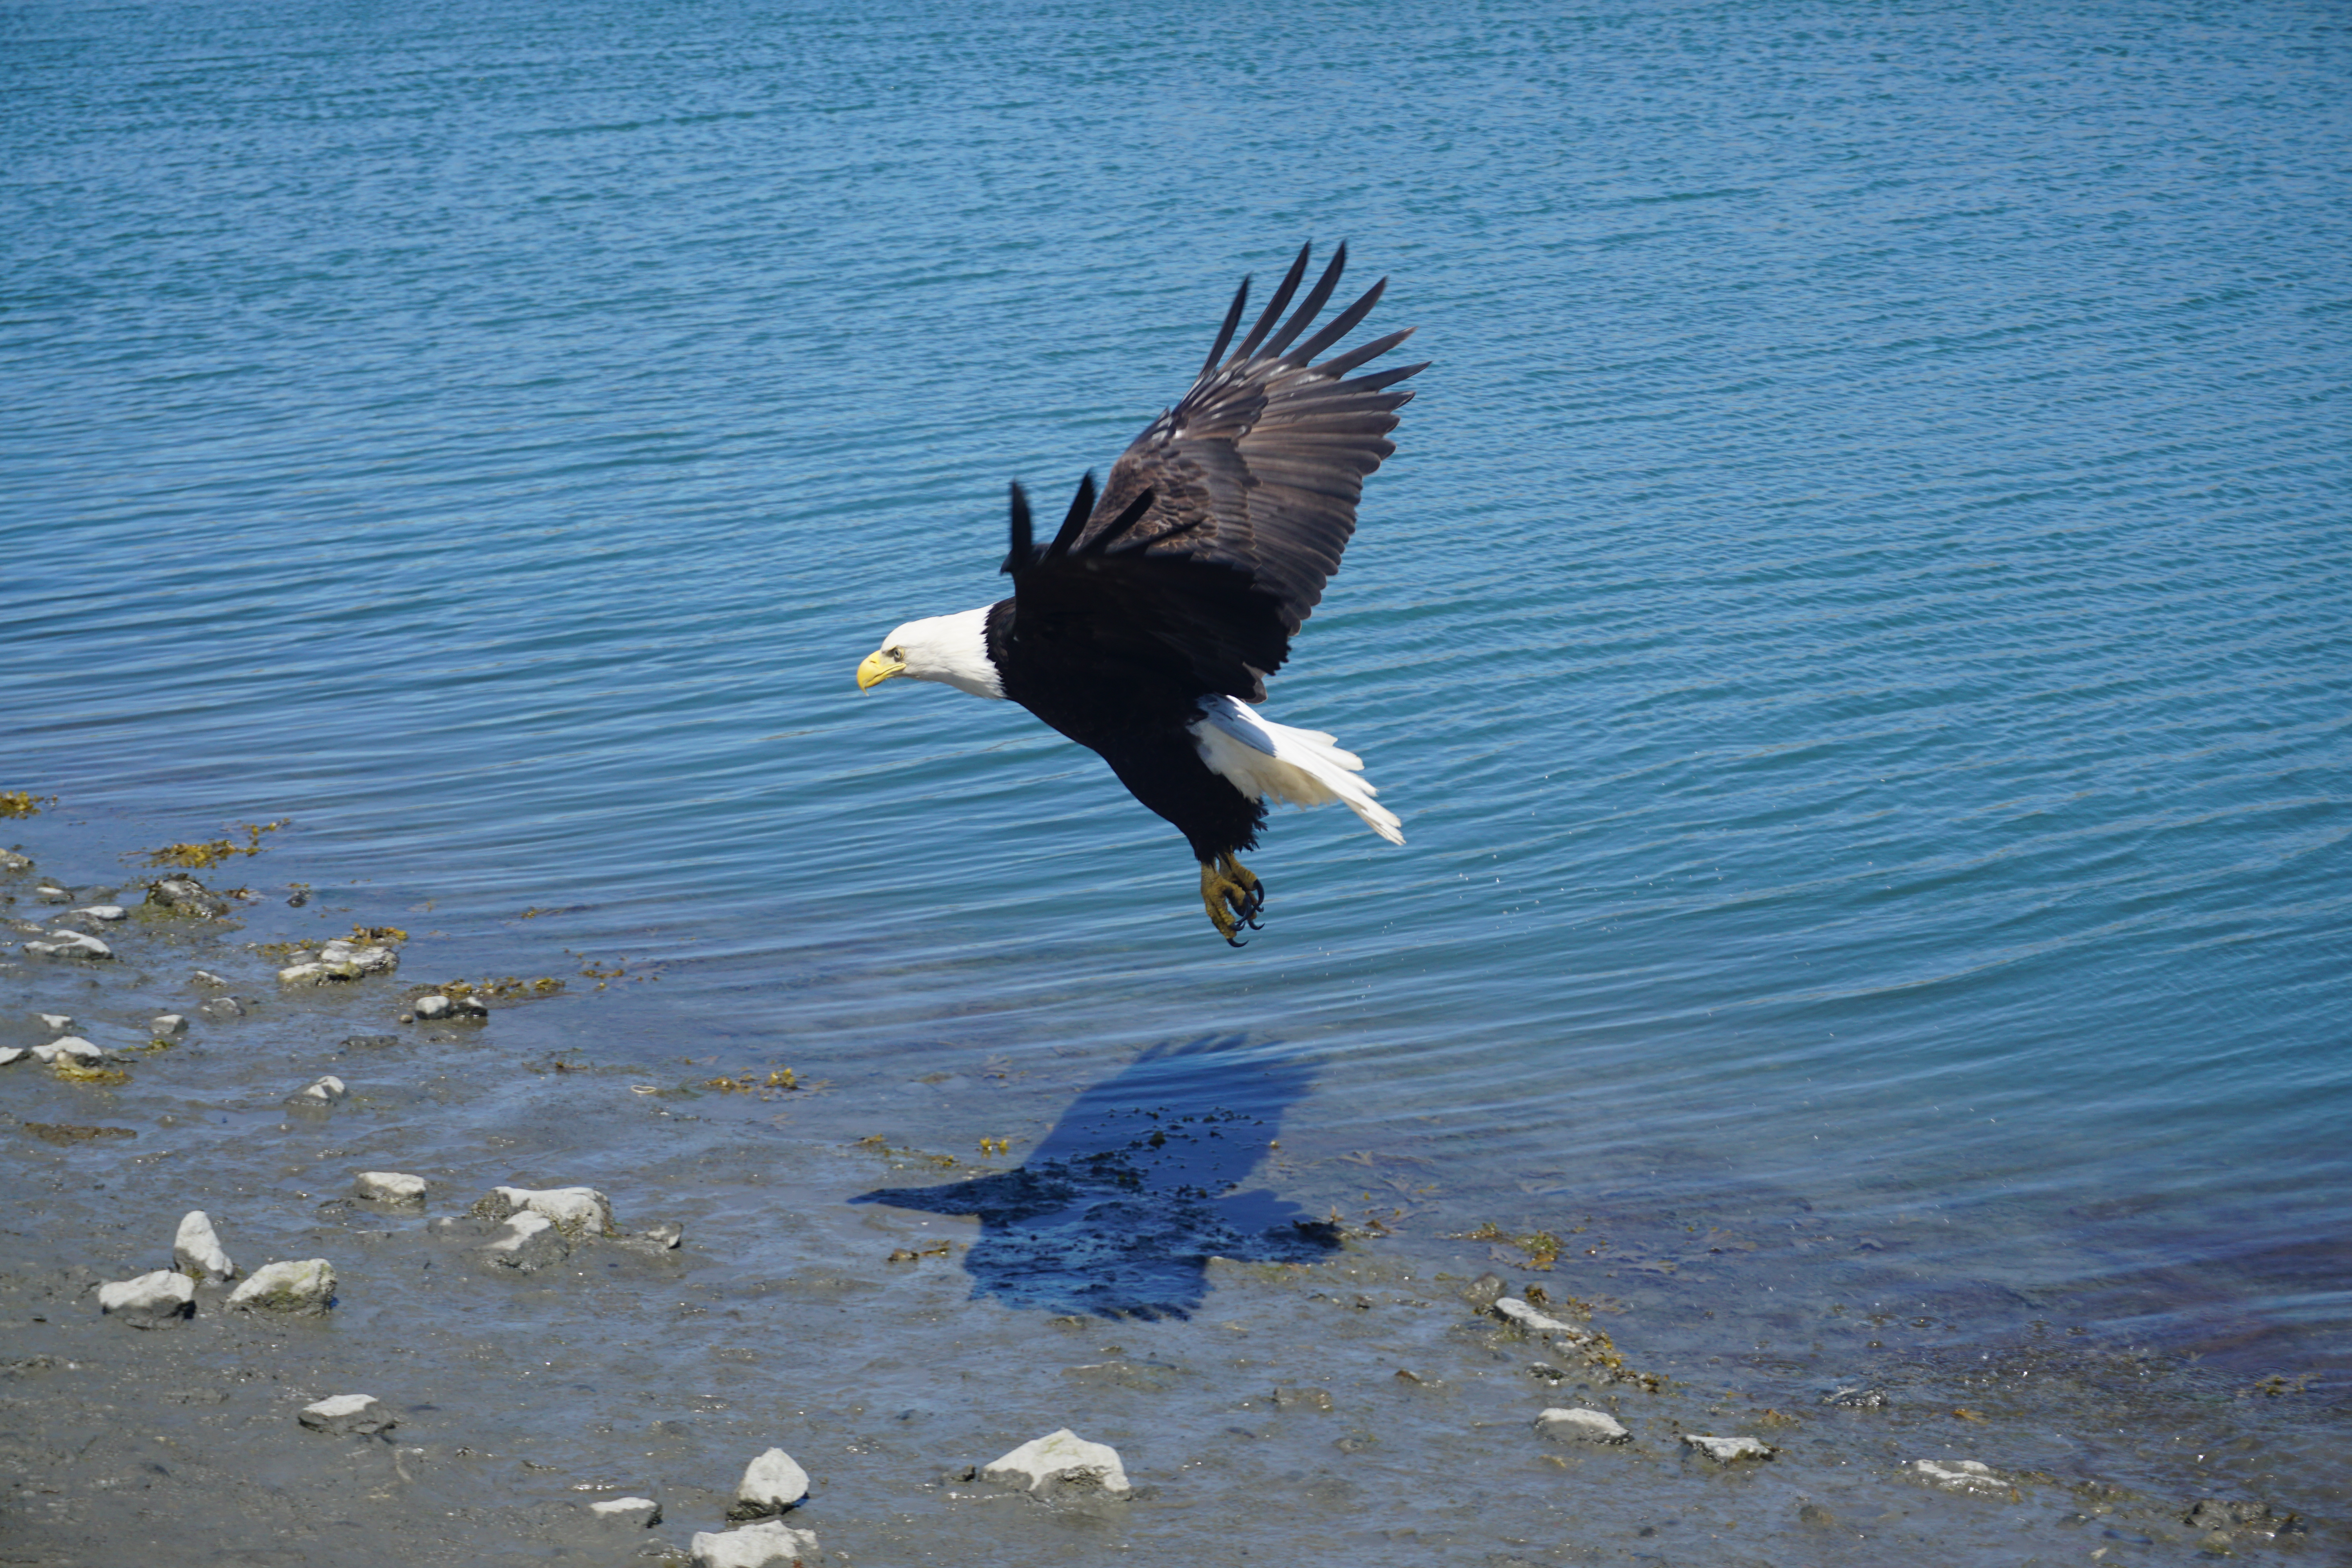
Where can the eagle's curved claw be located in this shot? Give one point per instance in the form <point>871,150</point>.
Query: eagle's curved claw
<point>1234,897</point>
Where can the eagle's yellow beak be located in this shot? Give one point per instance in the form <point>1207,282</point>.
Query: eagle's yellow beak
<point>876,667</point>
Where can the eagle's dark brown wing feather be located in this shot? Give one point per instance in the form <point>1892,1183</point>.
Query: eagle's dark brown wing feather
<point>1210,543</point>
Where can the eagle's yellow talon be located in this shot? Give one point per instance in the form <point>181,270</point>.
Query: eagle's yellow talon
<point>1232,895</point>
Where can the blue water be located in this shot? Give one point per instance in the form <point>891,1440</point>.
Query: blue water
<point>1859,627</point>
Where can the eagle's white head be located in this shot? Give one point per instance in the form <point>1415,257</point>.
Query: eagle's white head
<point>951,649</point>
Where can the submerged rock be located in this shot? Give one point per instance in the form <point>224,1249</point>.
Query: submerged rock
<point>326,1092</point>
<point>55,1023</point>
<point>304,1288</point>
<point>151,1301</point>
<point>11,861</point>
<point>167,1026</point>
<point>390,1187</point>
<point>527,1243</point>
<point>1582,1426</point>
<point>576,1210</point>
<point>771,1484</point>
<point>431,1007</point>
<point>348,1413</point>
<point>1730,1450</point>
<point>71,945</point>
<point>223,1008</point>
<point>1970,1477</point>
<point>72,1049</point>
<point>1058,1462</point>
<point>1854,1397</point>
<point>107,912</point>
<point>2225,1518</point>
<point>197,1251</point>
<point>187,896</point>
<point>1486,1290</point>
<point>1522,1316</point>
<point>770,1545</point>
<point>641,1512</point>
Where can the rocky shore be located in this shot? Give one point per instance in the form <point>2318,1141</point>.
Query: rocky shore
<point>307,1260</point>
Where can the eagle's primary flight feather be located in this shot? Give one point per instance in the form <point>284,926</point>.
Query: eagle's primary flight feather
<point>1149,623</point>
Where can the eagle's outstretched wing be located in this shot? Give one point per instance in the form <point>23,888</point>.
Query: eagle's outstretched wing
<point>1211,545</point>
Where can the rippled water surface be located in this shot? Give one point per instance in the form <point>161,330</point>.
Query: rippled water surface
<point>1857,626</point>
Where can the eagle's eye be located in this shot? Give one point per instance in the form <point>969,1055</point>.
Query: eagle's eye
<point>898,653</point>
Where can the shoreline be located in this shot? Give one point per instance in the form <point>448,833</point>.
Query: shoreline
<point>1326,1393</point>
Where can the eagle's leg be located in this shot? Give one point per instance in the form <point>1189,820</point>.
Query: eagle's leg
<point>1232,896</point>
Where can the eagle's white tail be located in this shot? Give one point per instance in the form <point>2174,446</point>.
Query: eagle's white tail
<point>1266,761</point>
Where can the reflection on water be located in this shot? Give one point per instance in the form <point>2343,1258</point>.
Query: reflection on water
<point>1118,1209</point>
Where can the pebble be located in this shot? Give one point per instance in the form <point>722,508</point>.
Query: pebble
<point>641,1512</point>
<point>197,1251</point>
<point>1969,1475</point>
<point>102,912</point>
<point>187,896</point>
<point>11,861</point>
<point>1727,1450</point>
<point>306,1287</point>
<point>770,1545</point>
<point>1057,1461</point>
<point>150,1301</point>
<point>1582,1426</point>
<point>662,1237</point>
<point>578,1211</point>
<point>223,1008</point>
<point>528,1243</point>
<point>2226,1518</point>
<point>206,977</point>
<point>390,1187</point>
<point>771,1484</point>
<point>55,1023</point>
<point>346,1414</point>
<point>50,893</point>
<point>432,1007</point>
<point>167,1026</point>
<point>73,1046</point>
<point>1311,1398</point>
<point>326,1092</point>
<point>70,944</point>
<point>10,1054</point>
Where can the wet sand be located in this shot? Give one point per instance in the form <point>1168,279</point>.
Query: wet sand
<point>1281,1384</point>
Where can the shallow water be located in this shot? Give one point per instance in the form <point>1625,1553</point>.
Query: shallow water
<point>1857,626</point>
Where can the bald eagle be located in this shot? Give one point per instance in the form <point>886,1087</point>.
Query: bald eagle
<point>1147,626</point>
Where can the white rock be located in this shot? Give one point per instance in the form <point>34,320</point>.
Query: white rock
<point>306,1287</point>
<point>73,1048</point>
<point>390,1187</point>
<point>167,1026</point>
<point>641,1512</point>
<point>771,1484</point>
<point>577,1210</point>
<point>70,944</point>
<point>197,1251</point>
<point>1058,1460</point>
<point>12,1053</point>
<point>341,960</point>
<point>1518,1314</point>
<point>150,1301</point>
<point>223,1008</point>
<point>347,1412</point>
<point>206,977</point>
<point>528,1242</point>
<point>1725,1451</point>
<point>770,1545</point>
<point>326,1092</point>
<point>1583,1426</point>
<point>11,861</point>
<point>102,912</point>
<point>432,1007</point>
<point>55,1023</point>
<point>51,892</point>
<point>1969,1475</point>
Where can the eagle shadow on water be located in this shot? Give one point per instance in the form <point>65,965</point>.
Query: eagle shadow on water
<point>1119,1208</point>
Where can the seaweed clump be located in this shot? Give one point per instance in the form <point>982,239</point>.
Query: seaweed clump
<point>213,851</point>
